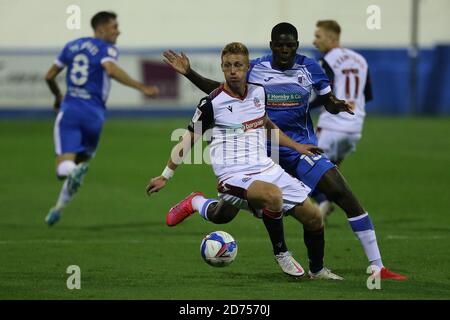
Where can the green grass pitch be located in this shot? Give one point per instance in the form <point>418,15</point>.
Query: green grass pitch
<point>117,235</point>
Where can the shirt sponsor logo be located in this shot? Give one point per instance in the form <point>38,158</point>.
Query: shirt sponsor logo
<point>284,99</point>
<point>78,93</point>
<point>253,124</point>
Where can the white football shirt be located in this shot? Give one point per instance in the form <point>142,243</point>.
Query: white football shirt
<point>237,129</point>
<point>349,73</point>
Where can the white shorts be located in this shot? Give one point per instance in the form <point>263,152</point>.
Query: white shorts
<point>336,144</point>
<point>233,189</point>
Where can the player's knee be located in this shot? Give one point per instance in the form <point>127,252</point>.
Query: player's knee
<point>314,220</point>
<point>316,223</point>
<point>273,197</point>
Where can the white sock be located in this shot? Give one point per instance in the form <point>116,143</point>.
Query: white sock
<point>364,231</point>
<point>201,204</point>
<point>64,197</point>
<point>198,202</point>
<point>65,168</point>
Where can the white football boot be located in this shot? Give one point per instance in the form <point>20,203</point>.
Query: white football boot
<point>325,273</point>
<point>289,265</point>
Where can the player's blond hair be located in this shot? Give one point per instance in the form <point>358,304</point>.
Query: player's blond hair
<point>330,25</point>
<point>235,48</point>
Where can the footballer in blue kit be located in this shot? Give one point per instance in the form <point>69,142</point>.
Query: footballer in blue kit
<point>82,111</point>
<point>91,62</point>
<point>288,93</point>
<point>289,79</point>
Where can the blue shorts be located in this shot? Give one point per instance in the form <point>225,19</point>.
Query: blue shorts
<point>307,169</point>
<point>77,130</point>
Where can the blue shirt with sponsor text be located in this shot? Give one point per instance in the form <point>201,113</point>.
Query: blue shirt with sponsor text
<point>288,94</point>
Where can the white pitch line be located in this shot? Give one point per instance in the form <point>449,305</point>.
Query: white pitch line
<point>400,237</point>
<point>59,241</point>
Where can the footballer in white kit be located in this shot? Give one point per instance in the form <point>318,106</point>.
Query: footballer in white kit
<point>238,146</point>
<point>234,121</point>
<point>349,78</point>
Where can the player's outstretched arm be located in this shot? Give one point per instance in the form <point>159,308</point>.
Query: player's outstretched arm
<point>285,141</point>
<point>50,78</point>
<point>334,105</point>
<point>176,158</point>
<point>117,73</point>
<point>180,63</point>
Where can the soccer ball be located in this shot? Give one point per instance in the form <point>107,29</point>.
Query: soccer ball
<point>218,249</point>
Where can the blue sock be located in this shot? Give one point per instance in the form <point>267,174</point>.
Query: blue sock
<point>204,210</point>
<point>363,228</point>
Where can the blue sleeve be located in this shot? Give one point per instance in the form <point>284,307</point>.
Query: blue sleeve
<point>63,58</point>
<point>109,53</point>
<point>320,81</point>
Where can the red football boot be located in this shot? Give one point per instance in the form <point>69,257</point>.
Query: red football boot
<point>387,274</point>
<point>181,210</point>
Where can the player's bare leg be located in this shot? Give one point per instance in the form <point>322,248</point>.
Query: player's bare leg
<point>221,212</point>
<point>326,206</point>
<point>334,186</point>
<point>268,198</point>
